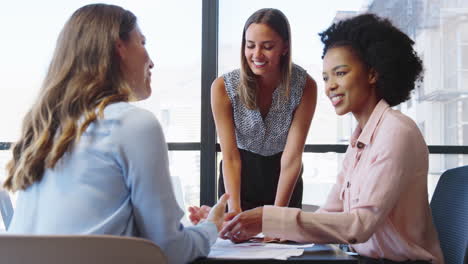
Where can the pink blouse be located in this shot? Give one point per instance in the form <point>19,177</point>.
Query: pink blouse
<point>379,203</point>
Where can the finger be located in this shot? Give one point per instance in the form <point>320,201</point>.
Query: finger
<point>227,228</point>
<point>223,200</point>
<point>194,219</point>
<point>238,236</point>
<point>225,235</point>
<point>229,216</point>
<point>204,212</point>
<point>246,235</point>
<point>236,231</point>
<point>205,208</point>
<point>221,205</point>
<point>233,231</point>
<point>237,240</point>
<point>192,210</point>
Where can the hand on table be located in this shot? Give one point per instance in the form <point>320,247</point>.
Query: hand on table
<point>243,226</point>
<point>231,214</point>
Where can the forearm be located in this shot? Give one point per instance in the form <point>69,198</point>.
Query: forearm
<point>296,225</point>
<point>290,169</point>
<point>232,182</point>
<point>195,240</point>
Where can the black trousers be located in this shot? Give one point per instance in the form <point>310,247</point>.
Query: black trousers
<point>259,180</point>
<point>366,260</point>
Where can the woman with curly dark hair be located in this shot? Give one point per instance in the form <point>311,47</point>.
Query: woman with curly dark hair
<point>379,203</point>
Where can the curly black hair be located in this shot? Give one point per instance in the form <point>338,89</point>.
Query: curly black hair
<point>382,47</point>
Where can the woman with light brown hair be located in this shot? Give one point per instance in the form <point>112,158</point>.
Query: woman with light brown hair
<point>262,113</point>
<point>89,162</point>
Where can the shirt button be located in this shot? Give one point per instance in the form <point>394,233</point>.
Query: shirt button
<point>360,145</point>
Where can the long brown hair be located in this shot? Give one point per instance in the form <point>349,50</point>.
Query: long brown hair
<point>84,77</point>
<point>248,86</point>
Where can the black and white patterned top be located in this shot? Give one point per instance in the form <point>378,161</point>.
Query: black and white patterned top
<point>265,136</point>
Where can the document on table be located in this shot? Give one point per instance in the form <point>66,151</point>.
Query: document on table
<point>255,250</point>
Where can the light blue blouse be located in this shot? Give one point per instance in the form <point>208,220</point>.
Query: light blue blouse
<point>114,181</point>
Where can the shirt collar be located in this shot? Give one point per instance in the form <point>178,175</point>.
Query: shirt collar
<point>362,137</point>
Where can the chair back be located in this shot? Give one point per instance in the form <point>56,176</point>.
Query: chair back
<point>91,249</point>
<point>449,206</point>
<point>6,208</point>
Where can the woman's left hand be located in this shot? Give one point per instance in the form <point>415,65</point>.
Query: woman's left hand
<point>198,214</point>
<point>244,226</point>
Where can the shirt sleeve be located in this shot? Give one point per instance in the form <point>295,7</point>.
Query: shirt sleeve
<point>386,177</point>
<point>143,150</point>
<point>333,202</point>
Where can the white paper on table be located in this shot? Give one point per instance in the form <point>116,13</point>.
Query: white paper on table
<point>284,246</point>
<point>255,250</point>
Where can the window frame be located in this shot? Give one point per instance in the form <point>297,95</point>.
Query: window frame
<point>207,146</point>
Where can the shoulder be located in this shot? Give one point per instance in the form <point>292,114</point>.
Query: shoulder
<point>301,81</point>
<point>226,85</point>
<point>399,141</point>
<point>310,83</point>
<point>402,130</point>
<point>127,112</point>
<point>233,75</point>
<point>218,84</point>
<point>298,70</point>
<point>310,90</point>
<point>218,89</point>
<point>399,122</point>
<point>232,79</point>
<point>298,74</point>
<point>131,121</point>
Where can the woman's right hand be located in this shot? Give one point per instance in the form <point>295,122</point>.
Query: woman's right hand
<point>198,214</point>
<point>231,214</point>
<point>216,214</point>
<point>243,226</point>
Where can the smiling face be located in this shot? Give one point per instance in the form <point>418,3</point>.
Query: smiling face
<point>263,49</point>
<point>136,64</point>
<point>349,84</point>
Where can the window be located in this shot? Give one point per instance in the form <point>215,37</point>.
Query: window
<point>441,35</point>
<point>174,33</point>
<point>307,19</point>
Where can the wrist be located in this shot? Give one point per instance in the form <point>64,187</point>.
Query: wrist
<point>211,221</point>
<point>234,207</point>
<point>281,202</point>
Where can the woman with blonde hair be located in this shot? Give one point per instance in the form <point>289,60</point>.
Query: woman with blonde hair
<point>87,161</point>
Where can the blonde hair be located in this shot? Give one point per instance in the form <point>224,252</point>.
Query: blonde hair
<point>84,76</point>
<point>248,86</point>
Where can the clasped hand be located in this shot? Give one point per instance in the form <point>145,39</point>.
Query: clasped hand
<point>237,226</point>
